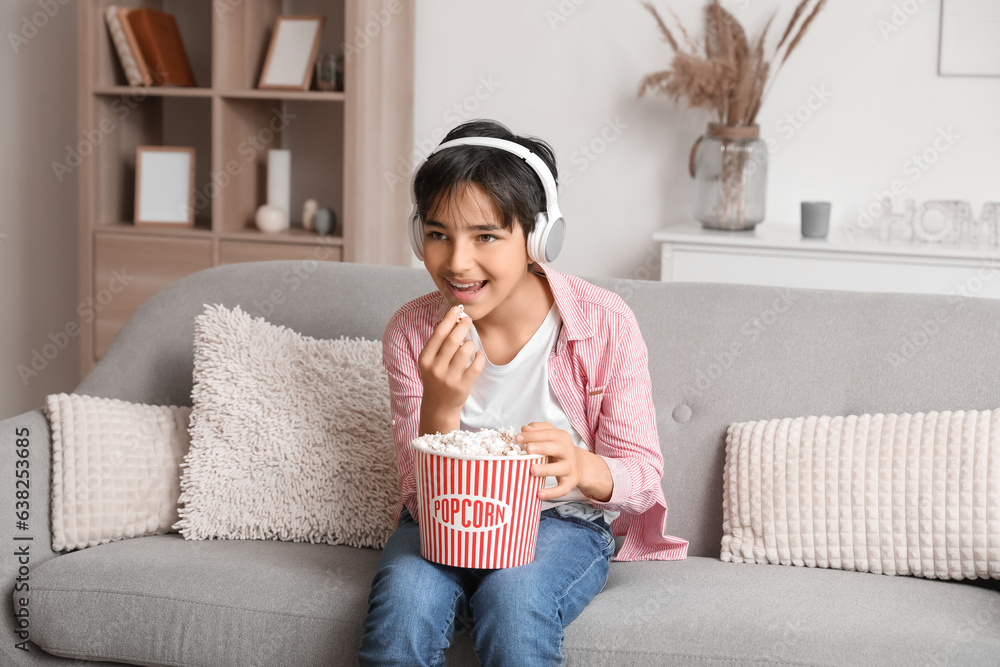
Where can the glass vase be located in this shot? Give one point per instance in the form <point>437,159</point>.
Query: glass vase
<point>729,166</point>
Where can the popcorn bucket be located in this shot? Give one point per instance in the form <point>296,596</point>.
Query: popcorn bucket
<point>477,511</point>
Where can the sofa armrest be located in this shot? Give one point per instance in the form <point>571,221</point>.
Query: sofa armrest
<point>24,438</point>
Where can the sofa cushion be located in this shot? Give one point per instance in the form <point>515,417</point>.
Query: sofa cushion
<point>115,468</point>
<point>165,601</point>
<point>291,436</point>
<point>702,611</point>
<point>907,494</point>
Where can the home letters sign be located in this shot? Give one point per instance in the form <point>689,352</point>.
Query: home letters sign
<point>940,221</point>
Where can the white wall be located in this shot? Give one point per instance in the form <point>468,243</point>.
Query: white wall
<point>38,230</point>
<point>566,80</point>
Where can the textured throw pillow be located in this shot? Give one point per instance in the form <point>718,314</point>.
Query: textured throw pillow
<point>291,436</point>
<point>115,468</point>
<point>892,494</point>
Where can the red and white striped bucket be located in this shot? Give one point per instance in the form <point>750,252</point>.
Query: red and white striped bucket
<point>477,511</point>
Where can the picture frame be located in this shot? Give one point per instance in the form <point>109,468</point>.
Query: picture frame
<point>164,186</point>
<point>291,55</point>
<point>969,45</point>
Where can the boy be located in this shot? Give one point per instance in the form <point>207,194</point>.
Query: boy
<point>556,355</point>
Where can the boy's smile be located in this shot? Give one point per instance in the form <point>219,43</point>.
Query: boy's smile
<point>476,262</point>
<point>466,291</point>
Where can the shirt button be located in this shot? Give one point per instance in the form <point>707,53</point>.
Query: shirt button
<point>681,413</point>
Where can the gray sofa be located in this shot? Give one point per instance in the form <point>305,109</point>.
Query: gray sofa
<point>162,600</point>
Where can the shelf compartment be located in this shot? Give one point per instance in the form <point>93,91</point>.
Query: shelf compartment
<point>194,20</point>
<point>250,127</point>
<point>244,32</point>
<point>123,124</point>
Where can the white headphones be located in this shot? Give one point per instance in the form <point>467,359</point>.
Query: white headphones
<point>545,241</point>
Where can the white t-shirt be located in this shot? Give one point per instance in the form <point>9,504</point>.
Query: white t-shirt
<point>518,393</point>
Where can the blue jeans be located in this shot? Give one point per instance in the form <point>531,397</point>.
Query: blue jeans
<point>517,614</point>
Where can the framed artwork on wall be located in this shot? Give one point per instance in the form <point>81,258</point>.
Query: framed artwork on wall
<point>292,52</point>
<point>164,186</point>
<point>970,38</point>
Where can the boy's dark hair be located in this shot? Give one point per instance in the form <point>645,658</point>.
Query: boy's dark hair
<point>512,184</point>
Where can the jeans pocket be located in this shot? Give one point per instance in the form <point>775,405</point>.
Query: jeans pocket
<point>609,545</point>
<point>609,538</point>
<point>601,528</point>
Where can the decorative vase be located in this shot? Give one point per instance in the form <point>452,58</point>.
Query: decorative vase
<point>279,179</point>
<point>309,213</point>
<point>271,218</point>
<point>729,165</point>
<point>325,222</point>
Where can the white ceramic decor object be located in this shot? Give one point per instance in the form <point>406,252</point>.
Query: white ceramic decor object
<point>271,219</point>
<point>279,179</point>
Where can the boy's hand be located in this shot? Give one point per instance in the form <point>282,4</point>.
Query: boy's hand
<point>571,466</point>
<point>544,438</point>
<point>447,374</point>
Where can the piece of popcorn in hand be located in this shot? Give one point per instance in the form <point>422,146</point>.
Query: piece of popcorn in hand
<point>468,334</point>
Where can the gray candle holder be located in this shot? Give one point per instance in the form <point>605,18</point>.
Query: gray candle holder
<point>815,219</point>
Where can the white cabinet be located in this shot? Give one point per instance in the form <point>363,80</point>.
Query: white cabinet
<point>777,255</point>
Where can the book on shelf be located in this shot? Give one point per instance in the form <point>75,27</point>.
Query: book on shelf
<point>161,46</point>
<point>129,54</point>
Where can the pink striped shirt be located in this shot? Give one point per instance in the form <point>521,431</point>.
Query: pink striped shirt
<point>599,374</point>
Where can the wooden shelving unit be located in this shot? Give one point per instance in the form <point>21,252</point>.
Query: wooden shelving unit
<point>342,145</point>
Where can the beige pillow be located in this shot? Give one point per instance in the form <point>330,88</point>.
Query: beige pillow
<point>115,468</point>
<point>291,436</point>
<point>891,494</point>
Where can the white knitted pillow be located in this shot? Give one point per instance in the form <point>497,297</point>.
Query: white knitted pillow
<point>115,468</point>
<point>291,436</point>
<point>892,494</point>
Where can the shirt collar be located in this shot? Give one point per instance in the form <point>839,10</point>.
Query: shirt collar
<point>575,325</point>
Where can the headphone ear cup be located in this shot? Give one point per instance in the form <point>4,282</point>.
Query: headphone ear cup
<point>417,234</point>
<point>554,237</point>
<point>536,239</point>
<point>545,242</point>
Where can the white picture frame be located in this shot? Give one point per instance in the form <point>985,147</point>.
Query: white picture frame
<point>291,55</point>
<point>164,186</point>
<point>970,38</point>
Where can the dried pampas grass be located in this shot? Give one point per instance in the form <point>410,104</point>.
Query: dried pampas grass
<point>727,73</point>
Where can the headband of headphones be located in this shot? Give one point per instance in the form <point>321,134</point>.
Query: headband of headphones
<point>546,239</point>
